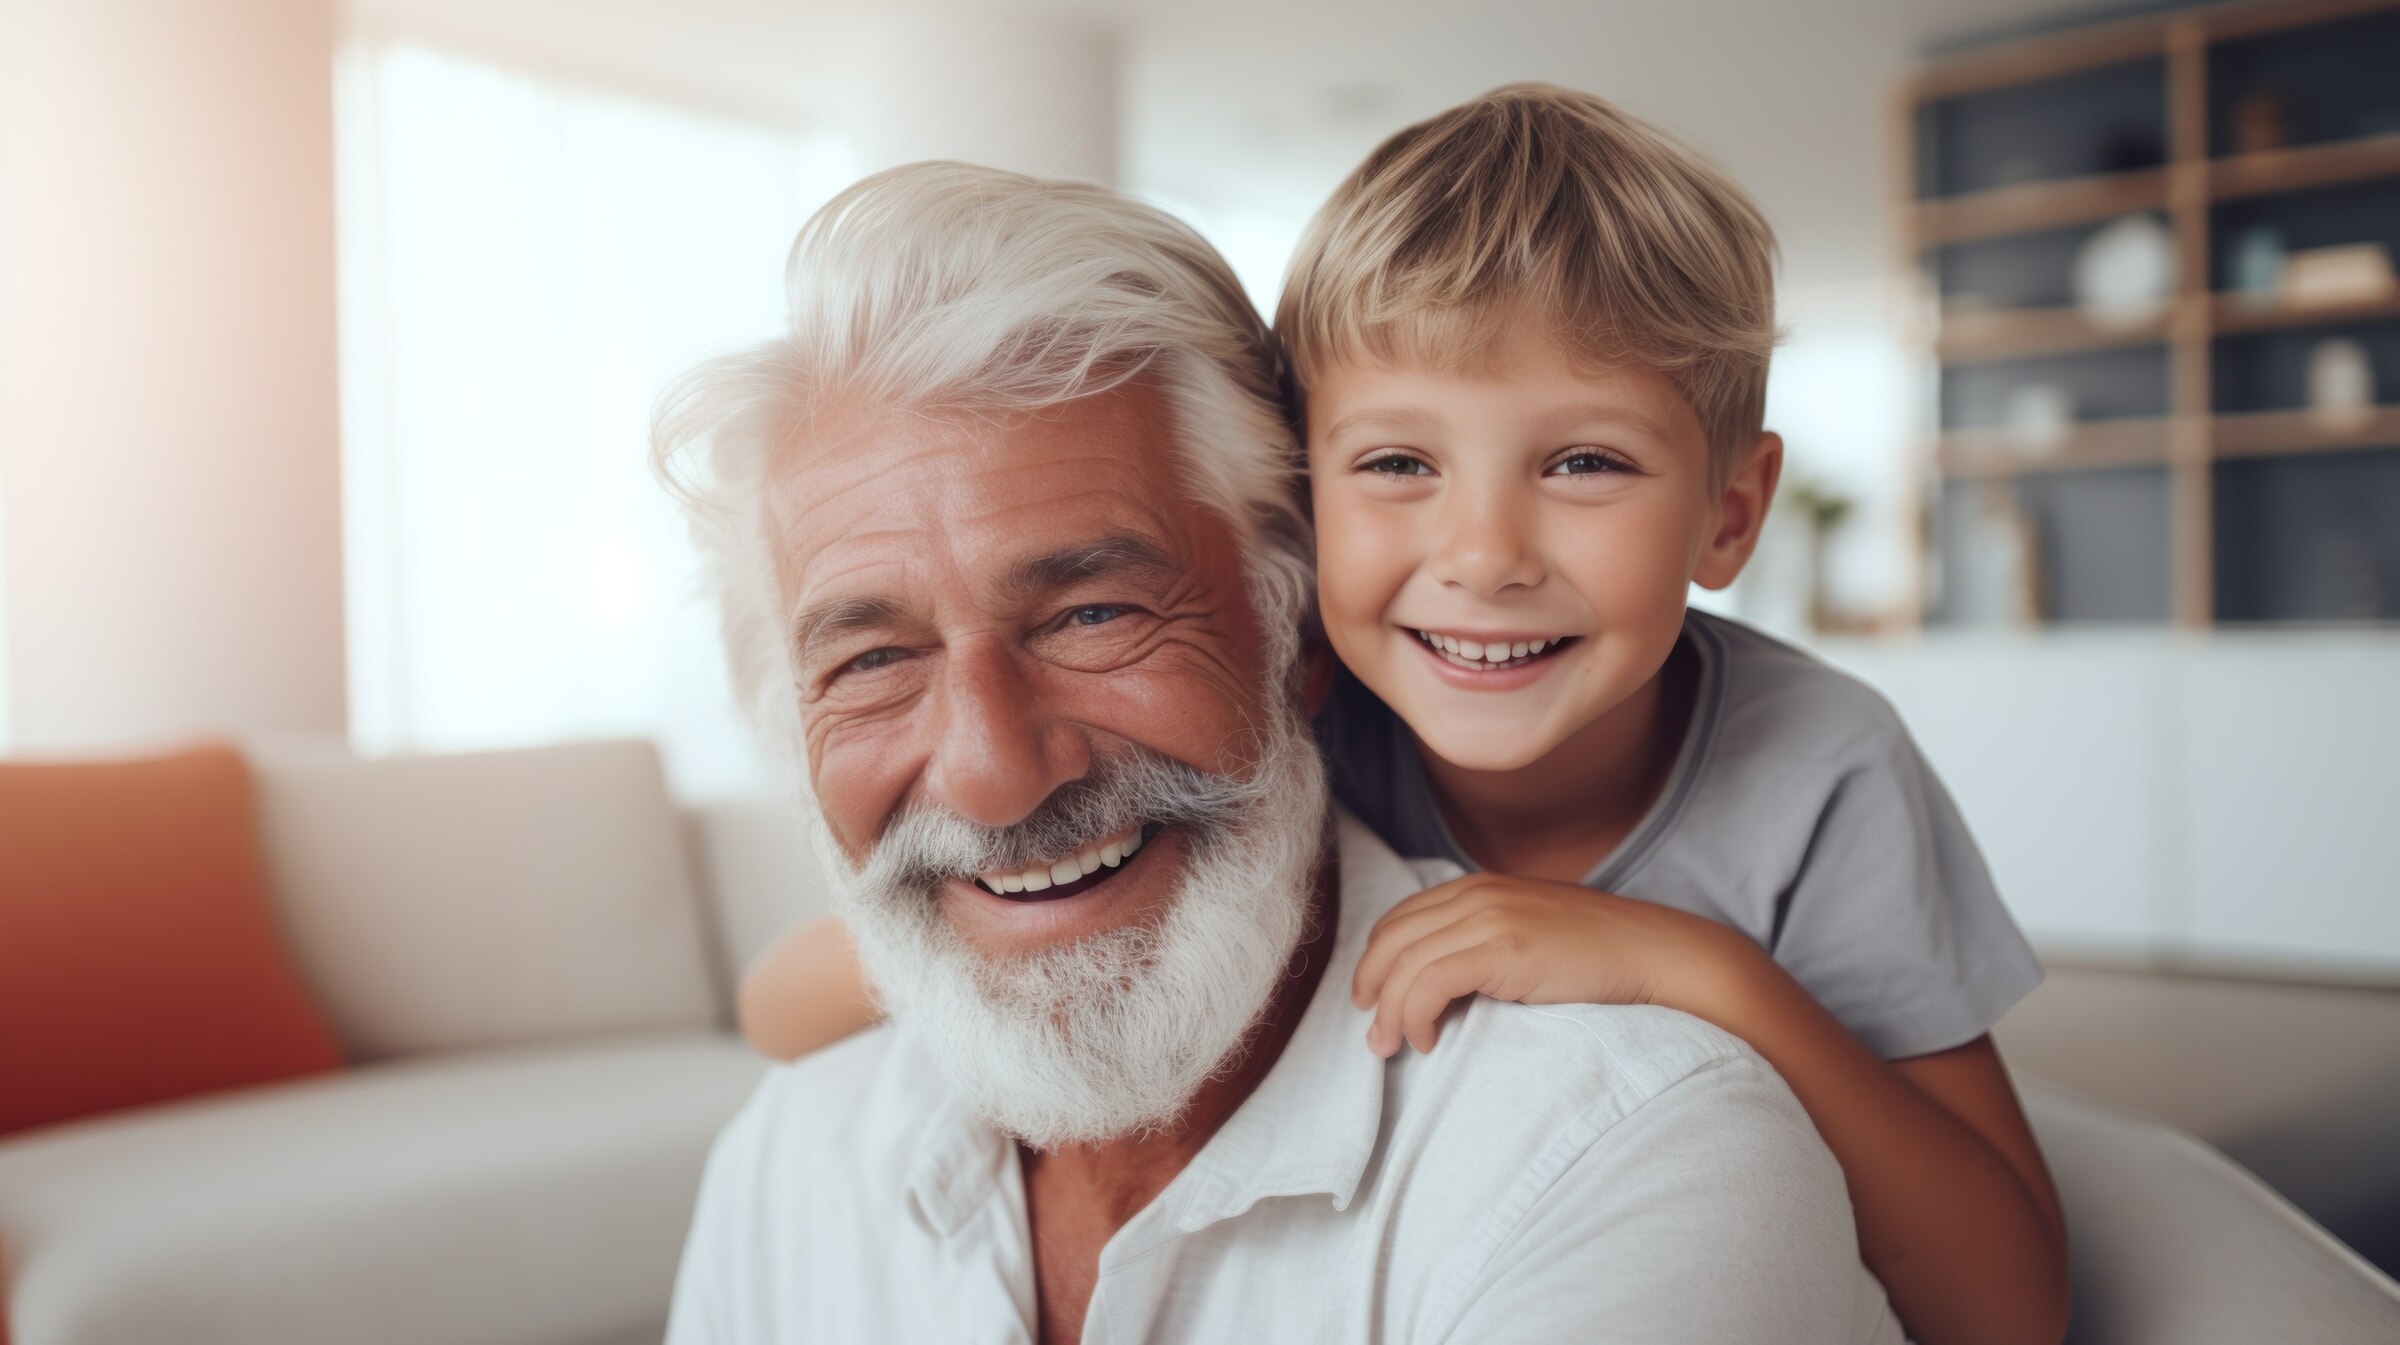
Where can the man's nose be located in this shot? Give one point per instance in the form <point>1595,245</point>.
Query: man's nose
<point>1484,543</point>
<point>999,751</point>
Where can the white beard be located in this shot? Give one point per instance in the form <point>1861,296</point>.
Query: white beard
<point>1110,1035</point>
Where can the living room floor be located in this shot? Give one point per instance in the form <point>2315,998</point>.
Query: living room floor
<point>2298,1083</point>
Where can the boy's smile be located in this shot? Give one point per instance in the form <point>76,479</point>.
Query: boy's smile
<point>1504,550</point>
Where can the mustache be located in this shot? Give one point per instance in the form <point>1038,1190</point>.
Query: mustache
<point>929,844</point>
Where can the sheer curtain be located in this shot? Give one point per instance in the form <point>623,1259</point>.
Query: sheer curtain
<point>525,263</point>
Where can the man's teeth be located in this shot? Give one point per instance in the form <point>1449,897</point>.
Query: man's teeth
<point>1476,654</point>
<point>1110,853</point>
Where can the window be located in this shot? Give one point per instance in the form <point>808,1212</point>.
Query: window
<point>525,263</point>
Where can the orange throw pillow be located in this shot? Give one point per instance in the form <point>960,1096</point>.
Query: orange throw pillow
<point>139,955</point>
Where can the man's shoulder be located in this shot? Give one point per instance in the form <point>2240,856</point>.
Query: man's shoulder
<point>1550,1071</point>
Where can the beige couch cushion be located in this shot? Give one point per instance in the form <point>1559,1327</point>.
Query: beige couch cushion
<point>761,875</point>
<point>528,1194</point>
<point>444,902</point>
<point>2175,1245</point>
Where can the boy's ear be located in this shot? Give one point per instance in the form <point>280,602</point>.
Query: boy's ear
<point>1741,514</point>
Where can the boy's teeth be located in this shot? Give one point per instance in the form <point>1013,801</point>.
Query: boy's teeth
<point>1488,655</point>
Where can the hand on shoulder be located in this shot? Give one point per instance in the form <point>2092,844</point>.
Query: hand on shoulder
<point>1535,942</point>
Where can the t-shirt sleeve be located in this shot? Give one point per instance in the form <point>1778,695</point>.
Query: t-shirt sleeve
<point>1892,921</point>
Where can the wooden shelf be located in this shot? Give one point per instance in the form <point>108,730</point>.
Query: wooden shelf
<point>2132,441</point>
<point>2030,60</point>
<point>2236,313</point>
<point>2182,445</point>
<point>1978,336</point>
<point>2034,206</point>
<point>2305,166</point>
<point>2261,434</point>
<point>2038,205</point>
<point>2231,21</point>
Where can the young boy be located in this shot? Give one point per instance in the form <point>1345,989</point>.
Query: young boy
<point>1529,340</point>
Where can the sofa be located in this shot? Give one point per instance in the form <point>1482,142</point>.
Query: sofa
<point>525,957</point>
<point>528,956</point>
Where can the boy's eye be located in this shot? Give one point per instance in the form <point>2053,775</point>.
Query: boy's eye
<point>1397,464</point>
<point>1589,462</point>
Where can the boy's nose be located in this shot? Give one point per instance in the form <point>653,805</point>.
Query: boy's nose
<point>1484,548</point>
<point>998,751</point>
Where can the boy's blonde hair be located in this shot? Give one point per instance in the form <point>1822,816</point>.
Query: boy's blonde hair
<point>1534,199</point>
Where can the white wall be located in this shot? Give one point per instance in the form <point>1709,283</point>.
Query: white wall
<point>167,406</point>
<point>2219,801</point>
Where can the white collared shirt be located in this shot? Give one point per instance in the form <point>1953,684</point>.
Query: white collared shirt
<point>1545,1174</point>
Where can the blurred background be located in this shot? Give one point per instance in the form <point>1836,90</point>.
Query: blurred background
<point>329,333</point>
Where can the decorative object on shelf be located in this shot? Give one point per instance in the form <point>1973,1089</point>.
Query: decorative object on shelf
<point>1825,511</point>
<point>1994,578</point>
<point>2349,273</point>
<point>2258,257</point>
<point>2261,122</point>
<point>2341,384</point>
<point>2125,272</point>
<point>2040,416</point>
<point>1787,588</point>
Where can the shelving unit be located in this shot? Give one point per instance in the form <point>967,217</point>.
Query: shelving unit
<point>2018,151</point>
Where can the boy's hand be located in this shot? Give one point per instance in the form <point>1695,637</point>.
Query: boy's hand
<point>1534,942</point>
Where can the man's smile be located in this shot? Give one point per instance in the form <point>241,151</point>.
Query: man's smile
<point>1141,883</point>
<point>1070,874</point>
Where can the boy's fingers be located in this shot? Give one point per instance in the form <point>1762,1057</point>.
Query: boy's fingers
<point>1389,940</point>
<point>1444,980</point>
<point>1429,898</point>
<point>1391,1002</point>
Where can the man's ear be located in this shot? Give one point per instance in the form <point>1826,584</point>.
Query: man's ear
<point>1317,667</point>
<point>1741,514</point>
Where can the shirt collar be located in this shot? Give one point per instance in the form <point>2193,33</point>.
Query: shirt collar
<point>960,1160</point>
<point>1309,1128</point>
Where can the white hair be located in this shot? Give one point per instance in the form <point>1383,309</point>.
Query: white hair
<point>946,287</point>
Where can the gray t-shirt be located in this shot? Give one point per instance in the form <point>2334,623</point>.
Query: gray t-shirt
<point>1799,812</point>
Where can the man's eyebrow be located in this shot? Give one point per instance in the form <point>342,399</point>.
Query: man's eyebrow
<point>842,616</point>
<point>1117,553</point>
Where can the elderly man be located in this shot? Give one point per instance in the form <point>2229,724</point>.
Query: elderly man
<point>1008,538</point>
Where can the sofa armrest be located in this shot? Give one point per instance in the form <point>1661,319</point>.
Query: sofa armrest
<point>2174,1244</point>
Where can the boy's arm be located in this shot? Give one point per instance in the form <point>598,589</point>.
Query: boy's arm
<point>1948,1184</point>
<point>805,992</point>
<point>1955,1209</point>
